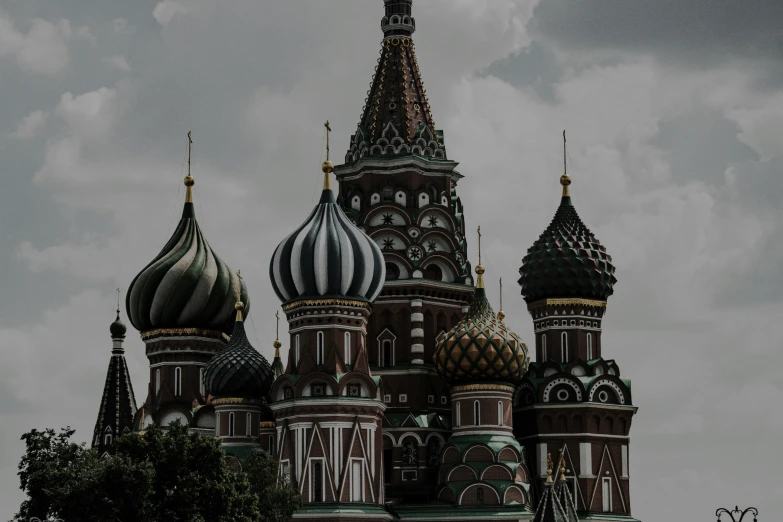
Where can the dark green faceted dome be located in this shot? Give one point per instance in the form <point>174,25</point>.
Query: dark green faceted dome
<point>118,328</point>
<point>567,261</point>
<point>239,371</point>
<point>481,348</point>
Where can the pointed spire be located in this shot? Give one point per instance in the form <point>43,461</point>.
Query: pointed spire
<point>549,468</point>
<point>327,167</point>
<point>501,313</point>
<point>277,363</point>
<point>189,181</point>
<point>479,267</point>
<point>565,179</point>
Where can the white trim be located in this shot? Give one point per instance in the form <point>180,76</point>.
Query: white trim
<point>178,381</point>
<point>297,352</point>
<point>458,414</point>
<point>571,435</point>
<point>606,494</point>
<point>625,407</point>
<point>589,346</point>
<point>231,424</point>
<point>417,317</point>
<point>585,460</point>
<point>347,348</point>
<point>543,349</point>
<point>305,328</point>
<point>182,363</point>
<point>476,413</point>
<point>157,381</point>
<point>320,350</point>
<point>624,450</point>
<point>248,424</point>
<point>417,348</point>
<point>564,347</point>
<point>501,420</point>
<point>462,433</point>
<point>201,388</point>
<point>417,332</point>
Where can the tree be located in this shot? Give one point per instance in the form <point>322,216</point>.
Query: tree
<point>170,474</point>
<point>277,499</point>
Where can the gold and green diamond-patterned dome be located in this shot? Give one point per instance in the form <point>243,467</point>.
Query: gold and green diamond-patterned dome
<point>481,347</point>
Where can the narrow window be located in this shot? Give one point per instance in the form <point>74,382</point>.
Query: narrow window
<point>319,351</point>
<point>231,424</point>
<point>500,413</point>
<point>543,348</point>
<point>248,425</point>
<point>107,440</point>
<point>564,347</point>
<point>347,343</point>
<point>479,496</point>
<point>296,346</point>
<point>272,444</point>
<point>457,409</point>
<point>217,426</point>
<point>157,381</point>
<point>388,465</point>
<point>177,381</point>
<point>201,389</point>
<point>356,481</point>
<point>606,494</point>
<point>318,490</point>
<point>476,413</point>
<point>589,347</point>
<point>387,355</point>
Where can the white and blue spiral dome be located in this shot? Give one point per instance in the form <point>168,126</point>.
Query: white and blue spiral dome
<point>327,257</point>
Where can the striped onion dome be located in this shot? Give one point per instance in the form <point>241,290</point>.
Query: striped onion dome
<point>187,285</point>
<point>481,347</point>
<point>327,257</point>
<point>239,371</point>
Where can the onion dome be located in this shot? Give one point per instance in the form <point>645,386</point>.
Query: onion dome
<point>118,328</point>
<point>567,260</point>
<point>239,371</point>
<point>327,256</point>
<point>481,347</point>
<point>187,285</point>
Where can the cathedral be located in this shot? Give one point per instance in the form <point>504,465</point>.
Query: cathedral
<point>402,395</point>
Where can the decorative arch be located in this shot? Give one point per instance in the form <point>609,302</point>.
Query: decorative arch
<point>478,453</point>
<point>461,472</point>
<point>468,495</point>
<point>385,207</point>
<point>514,494</point>
<point>508,454</point>
<point>450,455</point>
<point>497,472</point>
<point>443,218</point>
<point>562,380</point>
<point>310,378</point>
<point>609,382</point>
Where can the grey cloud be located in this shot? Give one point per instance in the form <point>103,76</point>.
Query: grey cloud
<point>699,33</point>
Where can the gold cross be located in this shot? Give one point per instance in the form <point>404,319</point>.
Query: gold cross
<point>479,243</point>
<point>277,325</point>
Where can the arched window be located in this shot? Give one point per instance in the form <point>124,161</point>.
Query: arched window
<point>201,389</point>
<point>457,410</point>
<point>157,381</point>
<point>107,439</point>
<point>296,349</point>
<point>589,347</point>
<point>347,343</point>
<point>248,425</point>
<point>177,381</point>
<point>543,348</point>
<point>479,496</point>
<point>433,272</point>
<point>319,349</point>
<point>564,346</point>
<point>392,272</point>
<point>476,413</point>
<point>500,413</point>
<point>231,424</point>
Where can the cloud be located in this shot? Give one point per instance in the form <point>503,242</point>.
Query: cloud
<point>31,124</point>
<point>166,10</point>
<point>42,50</point>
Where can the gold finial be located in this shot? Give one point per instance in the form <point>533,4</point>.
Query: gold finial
<point>565,179</point>
<point>479,267</point>
<point>239,307</point>
<point>548,468</point>
<point>562,465</point>
<point>277,344</point>
<point>189,181</point>
<point>327,167</point>
<point>501,313</point>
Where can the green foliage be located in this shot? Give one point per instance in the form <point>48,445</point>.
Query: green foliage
<point>171,475</point>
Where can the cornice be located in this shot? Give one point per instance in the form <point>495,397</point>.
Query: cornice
<point>566,302</point>
<point>326,302</point>
<point>158,333</point>
<point>397,165</point>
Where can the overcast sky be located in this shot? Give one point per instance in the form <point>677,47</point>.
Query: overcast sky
<point>674,112</point>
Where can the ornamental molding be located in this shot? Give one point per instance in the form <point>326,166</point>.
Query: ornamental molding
<point>182,332</point>
<point>567,302</point>
<point>562,380</point>
<point>326,302</point>
<point>601,382</point>
<point>236,400</point>
<point>398,165</point>
<point>482,387</point>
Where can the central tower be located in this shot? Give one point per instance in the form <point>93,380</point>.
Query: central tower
<point>398,185</point>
